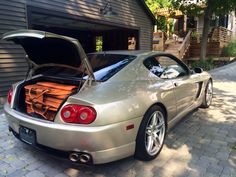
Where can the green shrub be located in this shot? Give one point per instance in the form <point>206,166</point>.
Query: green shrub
<point>234,146</point>
<point>230,50</point>
<point>194,35</point>
<point>204,64</point>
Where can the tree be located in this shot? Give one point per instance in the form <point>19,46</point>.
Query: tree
<point>209,7</point>
<point>154,5</point>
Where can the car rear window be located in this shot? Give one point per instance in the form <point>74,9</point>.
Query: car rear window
<point>107,65</point>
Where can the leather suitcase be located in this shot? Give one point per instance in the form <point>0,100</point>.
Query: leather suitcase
<point>44,98</point>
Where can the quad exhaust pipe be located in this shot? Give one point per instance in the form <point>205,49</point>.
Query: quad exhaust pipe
<point>79,157</point>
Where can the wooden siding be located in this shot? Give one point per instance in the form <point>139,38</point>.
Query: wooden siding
<point>130,14</point>
<point>12,63</point>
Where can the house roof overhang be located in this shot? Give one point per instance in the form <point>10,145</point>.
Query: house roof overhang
<point>147,10</point>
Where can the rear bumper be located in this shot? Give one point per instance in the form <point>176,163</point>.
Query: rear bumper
<point>104,143</point>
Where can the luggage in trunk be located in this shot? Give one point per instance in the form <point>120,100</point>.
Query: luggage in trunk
<point>44,98</point>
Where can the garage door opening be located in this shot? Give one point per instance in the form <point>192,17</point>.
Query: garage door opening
<point>92,36</point>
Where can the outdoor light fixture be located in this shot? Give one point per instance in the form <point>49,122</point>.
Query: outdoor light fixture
<point>107,10</point>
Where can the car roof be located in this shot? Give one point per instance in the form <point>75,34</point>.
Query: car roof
<point>130,52</point>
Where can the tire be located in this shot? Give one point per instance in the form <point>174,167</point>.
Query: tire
<point>207,95</point>
<point>151,134</point>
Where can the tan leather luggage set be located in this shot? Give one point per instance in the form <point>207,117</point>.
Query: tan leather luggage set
<point>44,98</point>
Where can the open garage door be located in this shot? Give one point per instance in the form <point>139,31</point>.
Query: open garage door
<point>94,36</point>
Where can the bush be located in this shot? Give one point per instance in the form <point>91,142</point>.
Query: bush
<point>234,146</point>
<point>204,64</point>
<point>230,50</point>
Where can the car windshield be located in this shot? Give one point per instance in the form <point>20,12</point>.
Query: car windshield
<point>107,65</point>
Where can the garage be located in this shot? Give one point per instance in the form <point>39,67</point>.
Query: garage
<point>98,25</point>
<point>88,33</point>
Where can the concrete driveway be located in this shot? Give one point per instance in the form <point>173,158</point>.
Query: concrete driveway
<point>201,145</point>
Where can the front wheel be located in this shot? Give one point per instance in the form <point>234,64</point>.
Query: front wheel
<point>208,95</point>
<point>151,134</point>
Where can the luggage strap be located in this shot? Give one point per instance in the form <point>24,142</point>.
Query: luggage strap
<point>34,101</point>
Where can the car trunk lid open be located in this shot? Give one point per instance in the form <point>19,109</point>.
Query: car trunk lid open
<point>46,49</point>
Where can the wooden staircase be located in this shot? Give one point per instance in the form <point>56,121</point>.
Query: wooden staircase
<point>172,47</point>
<point>179,49</point>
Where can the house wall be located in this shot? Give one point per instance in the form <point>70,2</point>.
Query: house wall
<point>13,15</point>
<point>12,63</point>
<point>130,14</point>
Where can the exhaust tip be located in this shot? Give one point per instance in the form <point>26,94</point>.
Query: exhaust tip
<point>80,157</point>
<point>74,157</point>
<point>84,158</point>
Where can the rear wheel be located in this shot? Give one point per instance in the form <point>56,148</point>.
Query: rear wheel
<point>208,95</point>
<point>151,134</point>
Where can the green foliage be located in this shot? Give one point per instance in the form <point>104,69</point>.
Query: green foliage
<point>190,10</point>
<point>99,43</point>
<point>194,35</point>
<point>230,50</point>
<point>154,5</point>
<point>234,147</point>
<point>161,23</point>
<point>219,7</point>
<point>204,64</point>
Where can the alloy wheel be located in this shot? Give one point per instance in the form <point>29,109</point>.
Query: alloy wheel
<point>155,133</point>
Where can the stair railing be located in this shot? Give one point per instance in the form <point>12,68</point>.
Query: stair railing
<point>185,45</point>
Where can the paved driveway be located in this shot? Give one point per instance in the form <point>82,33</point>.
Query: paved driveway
<point>201,145</point>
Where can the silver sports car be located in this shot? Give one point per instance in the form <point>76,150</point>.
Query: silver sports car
<point>125,103</point>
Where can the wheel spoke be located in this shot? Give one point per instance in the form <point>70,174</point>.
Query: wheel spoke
<point>157,141</point>
<point>159,116</point>
<point>159,127</point>
<point>149,143</point>
<point>154,119</point>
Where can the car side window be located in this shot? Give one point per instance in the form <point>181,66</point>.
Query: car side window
<point>165,67</point>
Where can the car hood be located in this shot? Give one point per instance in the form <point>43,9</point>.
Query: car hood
<point>48,49</point>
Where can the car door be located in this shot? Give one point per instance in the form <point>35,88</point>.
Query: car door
<point>178,73</point>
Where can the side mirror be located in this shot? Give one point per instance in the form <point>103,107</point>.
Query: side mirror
<point>198,70</point>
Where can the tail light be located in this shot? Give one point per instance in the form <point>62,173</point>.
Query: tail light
<point>72,113</point>
<point>9,95</point>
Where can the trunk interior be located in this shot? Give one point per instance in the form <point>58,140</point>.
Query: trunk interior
<point>20,95</point>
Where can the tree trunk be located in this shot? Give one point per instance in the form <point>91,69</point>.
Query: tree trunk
<point>206,27</point>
